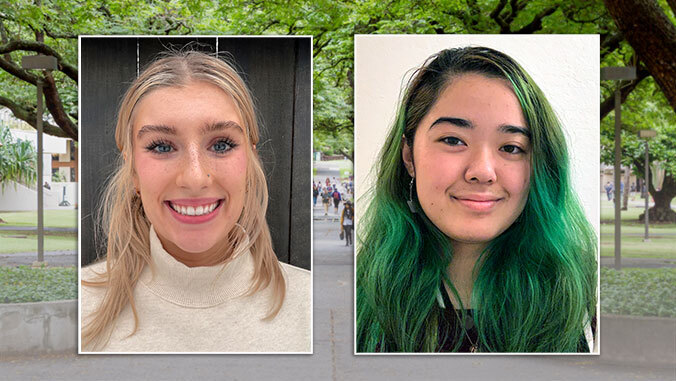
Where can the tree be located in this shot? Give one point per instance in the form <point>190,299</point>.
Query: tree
<point>332,25</point>
<point>17,161</point>
<point>650,100</point>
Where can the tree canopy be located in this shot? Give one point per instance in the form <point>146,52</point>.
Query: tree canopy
<point>52,28</point>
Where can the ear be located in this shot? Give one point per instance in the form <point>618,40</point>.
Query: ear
<point>407,156</point>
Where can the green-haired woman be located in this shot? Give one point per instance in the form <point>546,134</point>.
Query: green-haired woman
<point>474,239</point>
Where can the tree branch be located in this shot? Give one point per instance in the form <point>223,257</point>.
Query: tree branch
<point>29,117</point>
<point>610,42</point>
<point>609,103</point>
<point>536,24</point>
<point>654,45</point>
<point>38,47</point>
<point>495,15</point>
<point>55,107</point>
<point>18,72</point>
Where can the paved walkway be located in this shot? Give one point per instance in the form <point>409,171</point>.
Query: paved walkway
<point>53,258</point>
<point>35,228</point>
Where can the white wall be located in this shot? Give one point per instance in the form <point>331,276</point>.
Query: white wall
<point>565,67</point>
<point>22,198</point>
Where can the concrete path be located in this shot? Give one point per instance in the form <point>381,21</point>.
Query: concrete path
<point>53,258</point>
<point>35,228</point>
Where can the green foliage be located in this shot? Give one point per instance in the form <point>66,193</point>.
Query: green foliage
<point>645,108</point>
<point>25,284</point>
<point>639,292</point>
<point>17,160</point>
<point>332,25</point>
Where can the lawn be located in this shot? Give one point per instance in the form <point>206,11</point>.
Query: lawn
<point>634,247</point>
<point>60,218</point>
<point>11,243</point>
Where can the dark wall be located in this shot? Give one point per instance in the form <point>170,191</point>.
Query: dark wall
<point>279,74</point>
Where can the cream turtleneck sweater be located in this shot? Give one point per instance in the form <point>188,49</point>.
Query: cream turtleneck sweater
<point>204,309</point>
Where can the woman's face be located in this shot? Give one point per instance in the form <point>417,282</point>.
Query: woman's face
<point>190,160</point>
<point>471,160</point>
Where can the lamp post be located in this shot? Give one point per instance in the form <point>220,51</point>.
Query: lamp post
<point>647,135</point>
<point>44,63</point>
<point>618,73</point>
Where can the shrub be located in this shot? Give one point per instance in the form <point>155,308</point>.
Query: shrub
<point>639,292</point>
<point>25,284</point>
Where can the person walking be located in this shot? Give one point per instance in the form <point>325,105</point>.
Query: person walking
<point>609,190</point>
<point>326,201</point>
<point>347,222</point>
<point>336,199</point>
<point>315,193</point>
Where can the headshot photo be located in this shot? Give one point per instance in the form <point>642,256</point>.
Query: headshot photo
<point>477,203</point>
<point>195,218</point>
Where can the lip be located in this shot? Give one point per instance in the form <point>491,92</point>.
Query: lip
<point>478,202</point>
<point>194,202</point>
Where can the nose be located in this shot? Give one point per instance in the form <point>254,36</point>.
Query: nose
<point>481,167</point>
<point>193,171</point>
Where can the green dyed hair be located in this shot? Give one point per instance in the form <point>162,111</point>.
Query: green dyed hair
<point>536,284</point>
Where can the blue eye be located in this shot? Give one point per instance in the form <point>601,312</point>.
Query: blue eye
<point>159,147</point>
<point>452,141</point>
<point>223,145</point>
<point>512,149</point>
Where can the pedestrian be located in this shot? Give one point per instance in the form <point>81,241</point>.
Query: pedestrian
<point>346,222</point>
<point>609,190</point>
<point>315,193</point>
<point>326,200</point>
<point>336,199</point>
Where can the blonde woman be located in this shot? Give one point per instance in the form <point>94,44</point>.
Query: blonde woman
<point>189,264</point>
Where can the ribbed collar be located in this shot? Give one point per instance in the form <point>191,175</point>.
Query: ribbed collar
<point>196,287</point>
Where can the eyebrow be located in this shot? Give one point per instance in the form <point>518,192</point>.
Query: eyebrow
<point>221,125</point>
<point>155,128</point>
<point>464,123</point>
<point>168,130</point>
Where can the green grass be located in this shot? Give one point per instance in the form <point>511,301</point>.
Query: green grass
<point>639,292</point>
<point>66,218</point>
<point>634,247</point>
<point>25,284</point>
<point>53,241</point>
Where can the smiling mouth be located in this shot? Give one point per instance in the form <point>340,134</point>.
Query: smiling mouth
<point>479,204</point>
<point>190,210</point>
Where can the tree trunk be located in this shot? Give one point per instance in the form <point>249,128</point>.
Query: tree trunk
<point>652,35</point>
<point>627,188</point>
<point>661,211</point>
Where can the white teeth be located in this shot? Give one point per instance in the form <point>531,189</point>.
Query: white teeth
<point>194,211</point>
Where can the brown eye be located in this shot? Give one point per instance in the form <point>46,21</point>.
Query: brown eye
<point>452,141</point>
<point>512,149</point>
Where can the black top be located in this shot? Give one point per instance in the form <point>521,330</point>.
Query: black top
<point>449,327</point>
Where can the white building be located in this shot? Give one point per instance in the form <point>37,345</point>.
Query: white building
<point>59,156</point>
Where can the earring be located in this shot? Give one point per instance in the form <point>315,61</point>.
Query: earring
<point>411,204</point>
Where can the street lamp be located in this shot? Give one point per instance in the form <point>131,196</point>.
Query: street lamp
<point>647,135</point>
<point>45,63</point>
<point>618,73</point>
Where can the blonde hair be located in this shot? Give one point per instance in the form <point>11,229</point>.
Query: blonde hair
<point>127,245</point>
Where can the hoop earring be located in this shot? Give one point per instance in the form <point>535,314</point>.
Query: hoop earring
<point>411,204</point>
